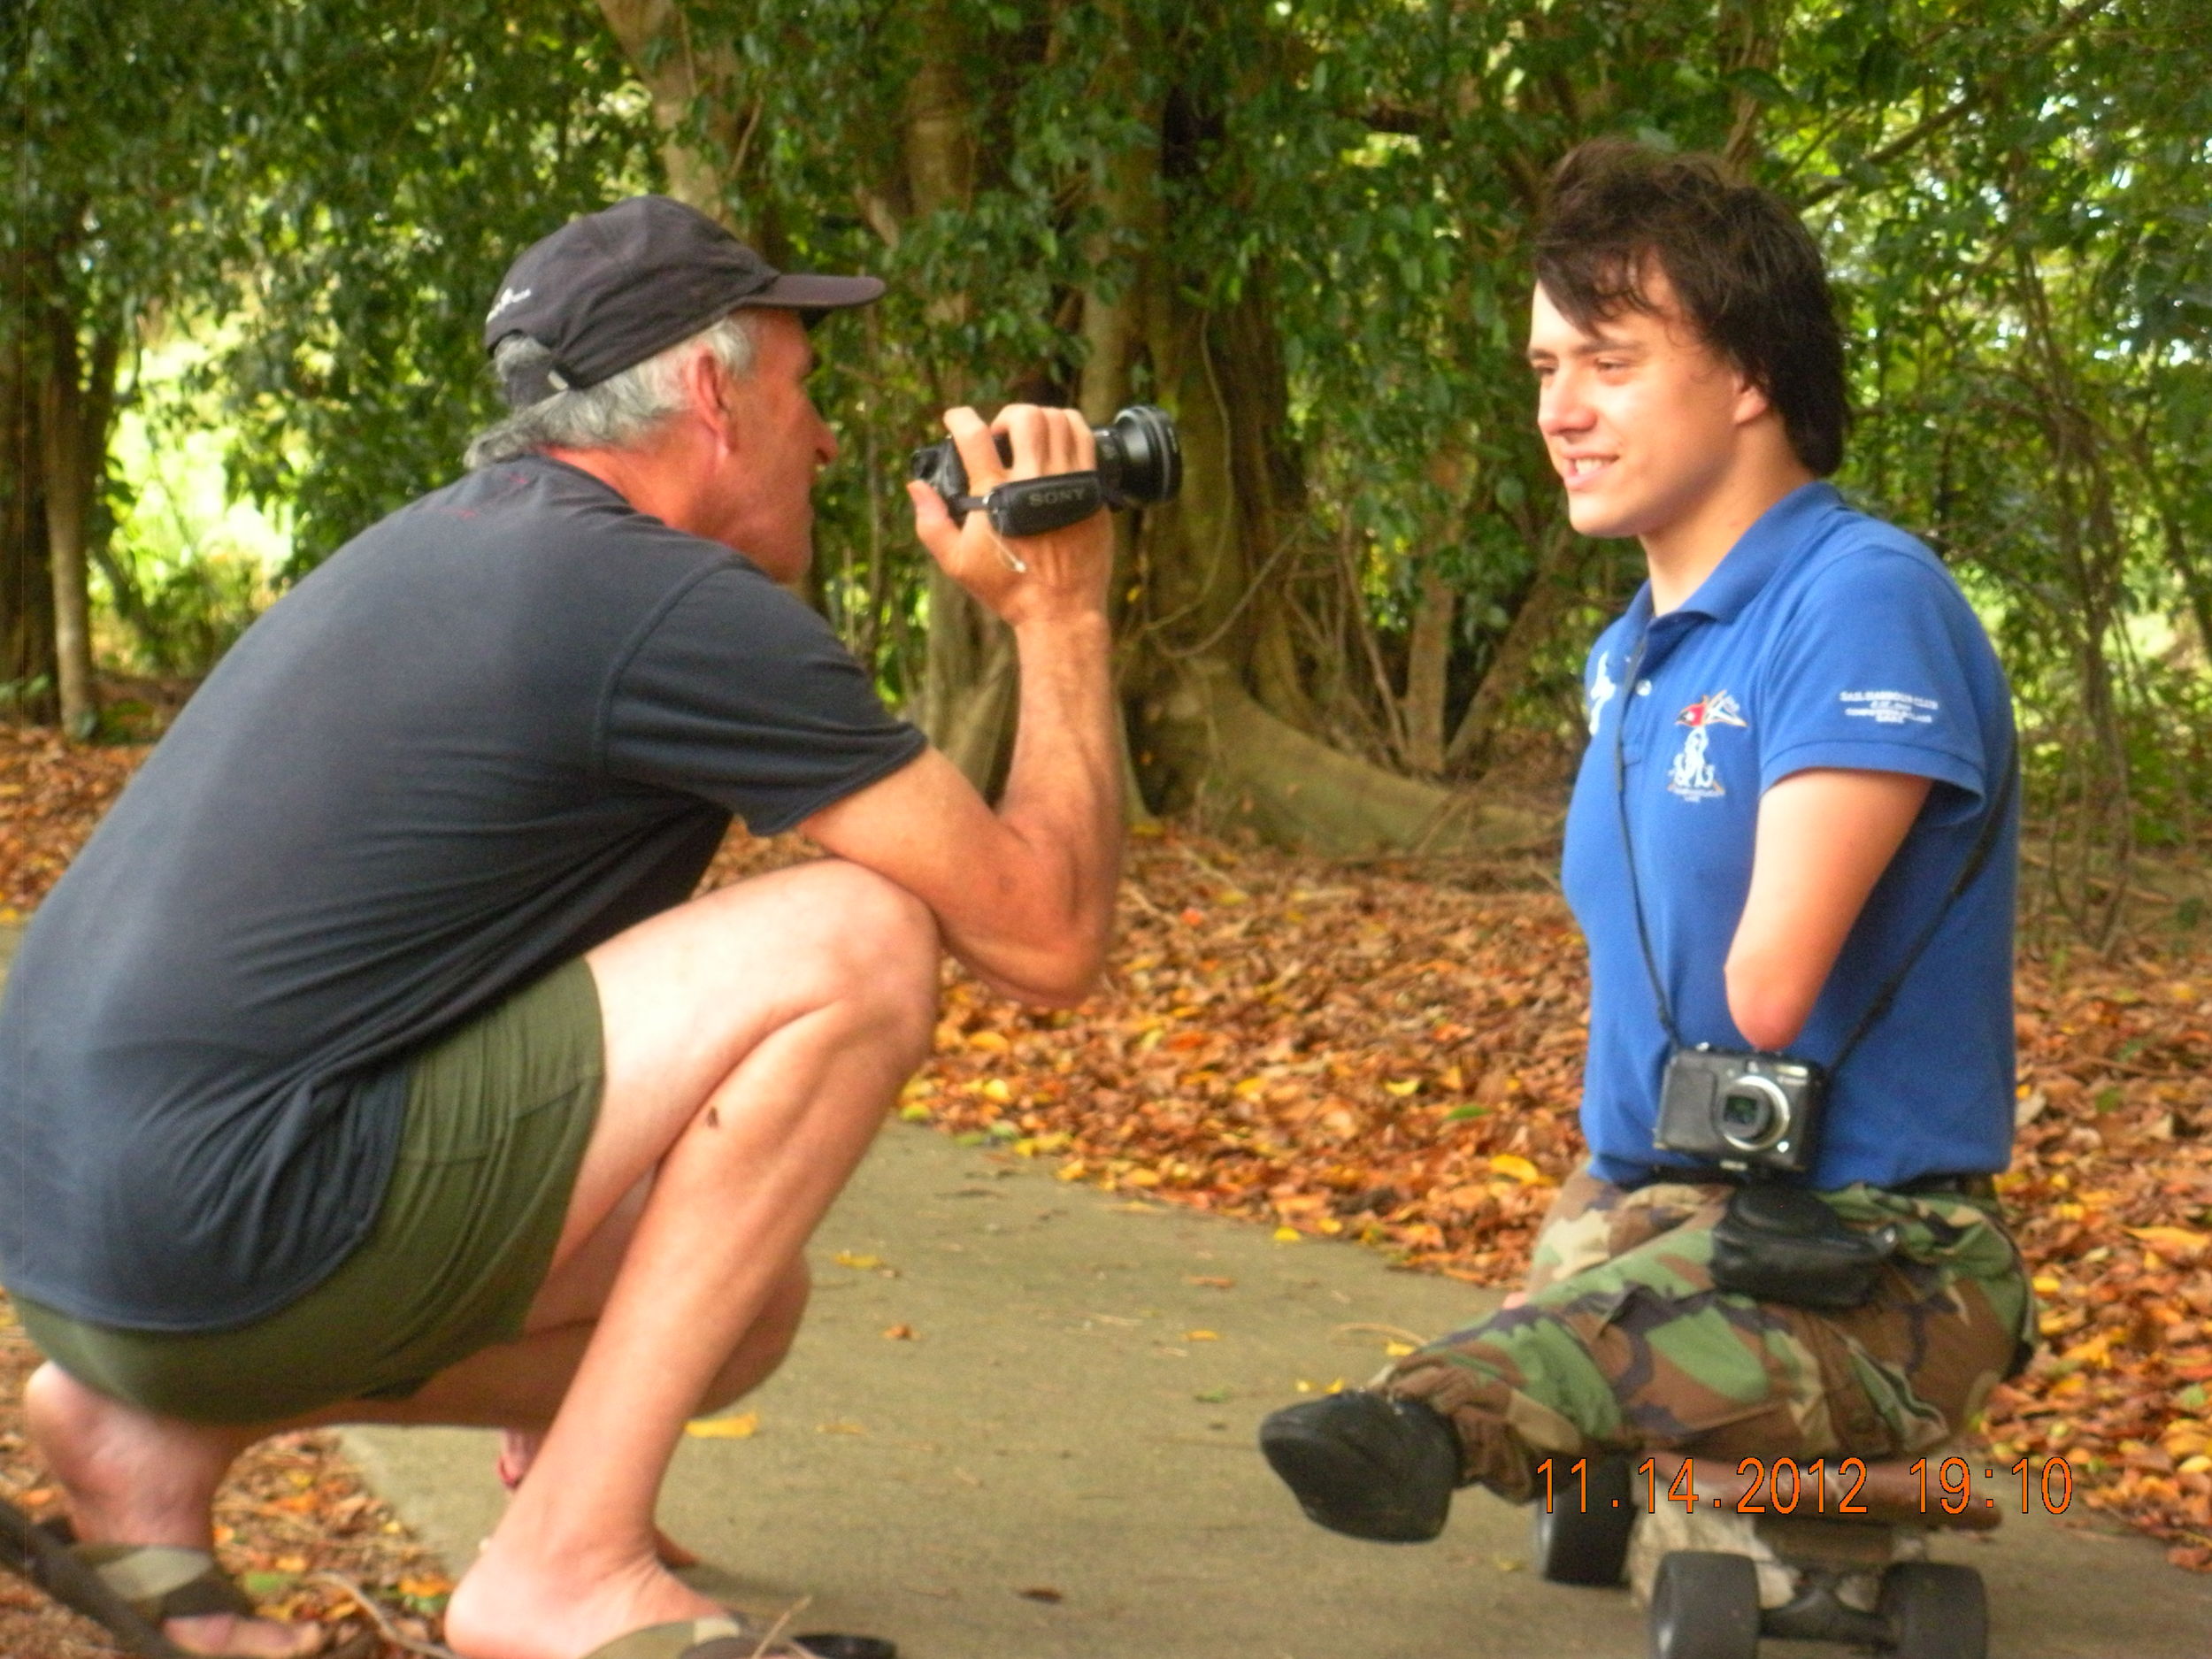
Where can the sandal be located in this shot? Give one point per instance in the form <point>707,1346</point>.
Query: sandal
<point>130,1589</point>
<point>733,1636</point>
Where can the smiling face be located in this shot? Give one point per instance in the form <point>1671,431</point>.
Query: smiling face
<point>1645,424</point>
<point>775,442</point>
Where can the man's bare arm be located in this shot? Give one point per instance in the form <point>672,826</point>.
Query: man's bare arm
<point>1825,838</point>
<point>1025,894</point>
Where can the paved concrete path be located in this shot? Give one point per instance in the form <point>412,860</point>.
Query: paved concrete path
<point>1056,1466</point>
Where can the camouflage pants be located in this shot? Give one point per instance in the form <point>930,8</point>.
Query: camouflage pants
<point>1623,1344</point>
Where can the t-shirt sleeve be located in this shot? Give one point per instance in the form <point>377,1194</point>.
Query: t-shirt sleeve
<point>1871,674</point>
<point>742,695</point>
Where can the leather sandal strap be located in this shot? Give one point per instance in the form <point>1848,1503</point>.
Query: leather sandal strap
<point>215,1593</point>
<point>718,1637</point>
<point>163,1581</point>
<point>724,1636</point>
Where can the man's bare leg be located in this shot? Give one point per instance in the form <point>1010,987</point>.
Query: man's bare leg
<point>137,1479</point>
<point>570,1302</point>
<point>133,1477</point>
<point>751,1112</point>
<point>762,1030</point>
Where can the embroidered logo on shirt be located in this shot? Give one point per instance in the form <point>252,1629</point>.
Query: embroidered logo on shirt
<point>1600,693</point>
<point>1693,776</point>
<point>1890,707</point>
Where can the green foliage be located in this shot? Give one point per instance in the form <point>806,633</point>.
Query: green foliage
<point>2032,296</point>
<point>1340,192</point>
<point>1367,175</point>
<point>344,181</point>
<point>184,569</point>
<point>123,130</point>
<point>406,153</point>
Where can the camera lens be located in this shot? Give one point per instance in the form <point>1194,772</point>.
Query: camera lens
<point>1753,1114</point>
<point>1139,459</point>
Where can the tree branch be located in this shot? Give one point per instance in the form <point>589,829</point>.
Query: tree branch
<point>1525,178</point>
<point>1922,130</point>
<point>1394,117</point>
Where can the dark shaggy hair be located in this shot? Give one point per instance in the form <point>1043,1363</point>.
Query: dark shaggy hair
<point>1745,271</point>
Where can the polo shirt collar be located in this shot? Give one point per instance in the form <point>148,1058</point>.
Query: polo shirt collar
<point>1758,553</point>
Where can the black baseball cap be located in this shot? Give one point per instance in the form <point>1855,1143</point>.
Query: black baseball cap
<point>605,292</point>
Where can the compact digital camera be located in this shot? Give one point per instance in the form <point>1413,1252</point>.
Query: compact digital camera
<point>1741,1110</point>
<point>1139,463</point>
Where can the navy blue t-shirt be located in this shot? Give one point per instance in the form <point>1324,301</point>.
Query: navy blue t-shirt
<point>1824,638</point>
<point>488,733</point>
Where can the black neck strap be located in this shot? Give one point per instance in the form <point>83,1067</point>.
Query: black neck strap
<point>1993,822</point>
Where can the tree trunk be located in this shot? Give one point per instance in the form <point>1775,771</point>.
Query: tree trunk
<point>1250,770</point>
<point>1217,566</point>
<point>971,685</point>
<point>697,103</point>
<point>1550,592</point>
<point>77,397</point>
<point>1207,595</point>
<point>26,589</point>
<point>1428,657</point>
<point>1125,186</point>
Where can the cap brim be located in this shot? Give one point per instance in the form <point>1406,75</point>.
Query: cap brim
<point>816,292</point>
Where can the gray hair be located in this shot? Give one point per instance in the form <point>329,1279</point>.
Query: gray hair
<point>617,413</point>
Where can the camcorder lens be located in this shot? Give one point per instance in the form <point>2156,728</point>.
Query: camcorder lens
<point>1139,459</point>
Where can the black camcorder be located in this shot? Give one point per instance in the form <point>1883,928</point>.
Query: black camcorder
<point>1140,463</point>
<point>1741,1110</point>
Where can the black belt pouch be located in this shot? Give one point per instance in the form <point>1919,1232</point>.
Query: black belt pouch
<point>1779,1243</point>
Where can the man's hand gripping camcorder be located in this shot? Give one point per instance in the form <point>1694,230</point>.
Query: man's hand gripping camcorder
<point>1139,463</point>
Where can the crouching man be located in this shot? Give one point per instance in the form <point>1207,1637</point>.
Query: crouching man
<point>1793,829</point>
<point>375,1061</point>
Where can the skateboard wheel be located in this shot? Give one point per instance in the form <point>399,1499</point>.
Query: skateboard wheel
<point>1587,1544</point>
<point>1935,1611</point>
<point>1705,1605</point>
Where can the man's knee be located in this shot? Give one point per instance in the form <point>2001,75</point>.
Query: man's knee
<point>878,947</point>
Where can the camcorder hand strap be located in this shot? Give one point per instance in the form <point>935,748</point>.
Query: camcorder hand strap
<point>1978,856</point>
<point>1030,506</point>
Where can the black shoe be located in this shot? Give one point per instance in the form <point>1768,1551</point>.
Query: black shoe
<point>1366,1464</point>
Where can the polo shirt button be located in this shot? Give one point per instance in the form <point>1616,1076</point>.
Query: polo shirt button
<point>1643,687</point>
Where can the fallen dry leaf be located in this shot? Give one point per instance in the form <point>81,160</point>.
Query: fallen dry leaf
<point>743,1427</point>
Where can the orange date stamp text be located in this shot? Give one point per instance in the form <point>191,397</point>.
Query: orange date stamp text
<point>1782,1485</point>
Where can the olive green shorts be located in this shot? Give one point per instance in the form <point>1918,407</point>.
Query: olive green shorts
<point>497,1117</point>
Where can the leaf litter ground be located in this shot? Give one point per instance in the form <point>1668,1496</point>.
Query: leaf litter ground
<point>1390,1056</point>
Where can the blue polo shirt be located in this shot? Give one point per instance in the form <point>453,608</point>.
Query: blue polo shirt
<point>1826,639</point>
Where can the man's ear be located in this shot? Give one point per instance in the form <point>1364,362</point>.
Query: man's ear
<point>707,396</point>
<point>1752,402</point>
